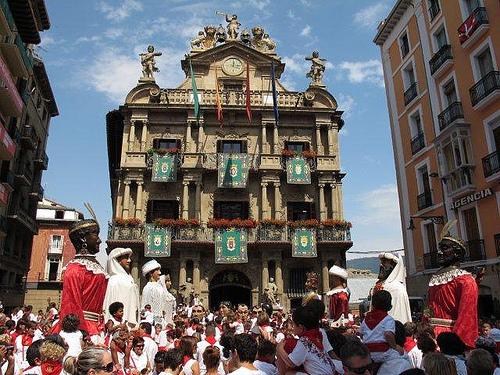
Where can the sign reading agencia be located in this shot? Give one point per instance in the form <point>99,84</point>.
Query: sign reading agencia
<point>471,198</point>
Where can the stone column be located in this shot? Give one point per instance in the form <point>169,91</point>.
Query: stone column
<point>189,138</point>
<point>196,275</point>
<point>331,138</point>
<point>265,274</point>
<point>265,146</point>
<point>126,200</point>
<point>144,136</point>
<point>198,201</point>
<point>319,145</point>
<point>201,135</point>
<point>138,203</point>
<point>131,136</point>
<point>185,200</point>
<point>182,272</point>
<point>340,209</point>
<point>324,276</point>
<point>276,140</point>
<point>322,205</point>
<point>264,203</point>
<point>277,201</point>
<point>279,278</point>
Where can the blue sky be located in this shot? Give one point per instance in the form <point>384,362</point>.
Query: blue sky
<point>91,55</point>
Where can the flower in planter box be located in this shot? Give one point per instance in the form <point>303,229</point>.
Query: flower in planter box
<point>335,223</point>
<point>311,223</point>
<point>234,223</point>
<point>272,222</point>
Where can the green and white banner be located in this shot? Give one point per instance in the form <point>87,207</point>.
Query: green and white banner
<point>164,168</point>
<point>231,246</point>
<point>304,243</point>
<point>158,241</point>
<point>232,170</point>
<point>298,171</point>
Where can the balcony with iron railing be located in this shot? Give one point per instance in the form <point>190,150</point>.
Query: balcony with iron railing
<point>473,27</point>
<point>8,179</point>
<point>28,137</point>
<point>434,9</point>
<point>210,161</point>
<point>310,161</point>
<point>491,164</point>
<point>417,143</point>
<point>424,200</point>
<point>486,90</point>
<point>24,218</point>
<point>475,250</point>
<point>37,192</point>
<point>460,180</point>
<point>441,59</point>
<point>23,176</point>
<point>431,260</point>
<point>411,93</point>
<point>451,114</point>
<point>42,160</point>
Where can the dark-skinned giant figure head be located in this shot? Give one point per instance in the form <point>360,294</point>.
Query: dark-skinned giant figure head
<point>84,235</point>
<point>451,250</point>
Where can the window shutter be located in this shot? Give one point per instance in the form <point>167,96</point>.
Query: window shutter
<point>51,241</point>
<point>61,244</point>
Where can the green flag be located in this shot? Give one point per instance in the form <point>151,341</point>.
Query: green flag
<point>195,93</point>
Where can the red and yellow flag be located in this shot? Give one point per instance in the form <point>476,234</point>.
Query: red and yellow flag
<point>218,102</point>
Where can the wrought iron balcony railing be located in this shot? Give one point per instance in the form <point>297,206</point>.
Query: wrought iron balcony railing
<point>434,9</point>
<point>459,179</point>
<point>42,160</point>
<point>453,112</point>
<point>478,17</point>
<point>210,161</point>
<point>411,93</point>
<point>440,58</point>
<point>430,260</point>
<point>424,200</point>
<point>491,164</point>
<point>486,86</point>
<point>417,143</point>
<point>28,137</point>
<point>475,250</point>
<point>332,234</point>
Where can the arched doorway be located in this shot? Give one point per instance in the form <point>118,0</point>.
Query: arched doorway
<point>230,285</point>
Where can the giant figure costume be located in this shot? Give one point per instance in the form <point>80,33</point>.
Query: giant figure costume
<point>453,292</point>
<point>393,279</point>
<point>84,279</point>
<point>337,298</point>
<point>121,286</point>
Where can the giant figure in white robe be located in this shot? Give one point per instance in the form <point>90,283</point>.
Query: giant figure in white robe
<point>156,294</point>
<point>121,286</point>
<point>392,277</point>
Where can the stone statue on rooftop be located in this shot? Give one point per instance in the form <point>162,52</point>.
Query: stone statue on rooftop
<point>317,69</point>
<point>261,41</point>
<point>232,25</point>
<point>148,62</point>
<point>205,40</point>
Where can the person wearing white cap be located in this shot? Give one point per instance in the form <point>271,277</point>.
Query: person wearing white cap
<point>156,294</point>
<point>121,286</point>
<point>392,277</point>
<point>337,298</point>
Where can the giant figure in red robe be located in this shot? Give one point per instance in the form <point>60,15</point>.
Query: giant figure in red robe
<point>337,298</point>
<point>453,292</point>
<point>84,279</point>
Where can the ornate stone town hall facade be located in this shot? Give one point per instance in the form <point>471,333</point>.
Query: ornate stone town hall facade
<point>178,176</point>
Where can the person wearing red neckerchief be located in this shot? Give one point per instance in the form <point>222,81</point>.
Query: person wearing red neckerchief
<point>20,329</point>
<point>410,346</point>
<point>52,355</point>
<point>23,342</point>
<point>210,340</point>
<point>150,346</point>
<point>308,350</point>
<point>188,348</point>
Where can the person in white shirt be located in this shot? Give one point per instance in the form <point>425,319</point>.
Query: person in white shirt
<point>150,346</point>
<point>210,340</point>
<point>72,335</point>
<point>34,359</point>
<point>135,356</point>
<point>243,356</point>
<point>266,353</point>
<point>212,361</point>
<point>188,348</point>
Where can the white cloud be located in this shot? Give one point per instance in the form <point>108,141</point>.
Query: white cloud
<point>346,103</point>
<point>113,33</point>
<point>296,64</point>
<point>306,3</point>
<point>364,71</point>
<point>120,11</point>
<point>290,14</point>
<point>380,205</point>
<point>86,39</point>
<point>306,31</point>
<point>259,4</point>
<point>371,15</point>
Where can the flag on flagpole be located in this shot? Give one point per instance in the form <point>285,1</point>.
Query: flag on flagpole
<point>275,95</point>
<point>195,93</point>
<point>249,109</point>
<point>218,102</point>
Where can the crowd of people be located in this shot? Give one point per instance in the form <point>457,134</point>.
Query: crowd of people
<point>240,340</point>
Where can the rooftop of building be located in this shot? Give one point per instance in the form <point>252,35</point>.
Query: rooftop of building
<point>53,205</point>
<point>30,17</point>
<point>386,26</point>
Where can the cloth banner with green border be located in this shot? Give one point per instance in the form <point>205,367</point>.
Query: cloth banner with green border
<point>304,243</point>
<point>231,246</point>
<point>232,170</point>
<point>298,171</point>
<point>164,168</point>
<point>158,241</point>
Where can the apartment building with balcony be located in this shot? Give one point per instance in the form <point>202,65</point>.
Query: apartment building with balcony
<point>51,251</point>
<point>206,192</point>
<point>26,106</point>
<point>441,69</point>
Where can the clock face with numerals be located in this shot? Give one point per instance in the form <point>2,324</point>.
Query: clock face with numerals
<point>232,66</point>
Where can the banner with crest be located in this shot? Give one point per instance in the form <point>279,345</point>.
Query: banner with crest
<point>158,241</point>
<point>232,170</point>
<point>298,171</point>
<point>304,243</point>
<point>231,245</point>
<point>164,167</point>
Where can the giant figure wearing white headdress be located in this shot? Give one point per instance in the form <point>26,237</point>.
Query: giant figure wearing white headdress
<point>121,286</point>
<point>392,277</point>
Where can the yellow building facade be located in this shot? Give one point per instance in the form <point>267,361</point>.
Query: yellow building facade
<point>154,118</point>
<point>440,61</point>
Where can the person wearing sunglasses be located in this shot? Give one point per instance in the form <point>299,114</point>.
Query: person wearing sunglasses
<point>356,358</point>
<point>91,361</point>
